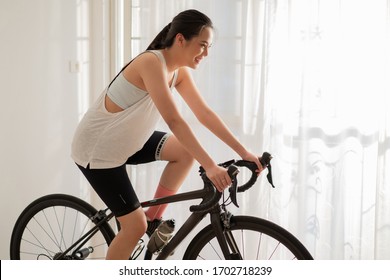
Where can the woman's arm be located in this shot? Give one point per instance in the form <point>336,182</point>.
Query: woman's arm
<point>156,83</point>
<point>208,117</point>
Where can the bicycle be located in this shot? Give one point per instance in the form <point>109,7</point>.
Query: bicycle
<point>60,226</point>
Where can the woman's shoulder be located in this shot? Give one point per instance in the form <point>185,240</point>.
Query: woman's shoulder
<point>143,61</point>
<point>149,56</point>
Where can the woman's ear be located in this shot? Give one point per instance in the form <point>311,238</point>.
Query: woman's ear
<point>180,40</point>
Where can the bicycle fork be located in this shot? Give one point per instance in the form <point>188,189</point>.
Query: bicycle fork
<point>226,240</point>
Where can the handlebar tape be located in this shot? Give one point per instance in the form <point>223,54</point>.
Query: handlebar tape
<point>216,196</point>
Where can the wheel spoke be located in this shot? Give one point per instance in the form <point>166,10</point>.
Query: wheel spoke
<point>243,244</point>
<point>273,252</point>
<point>51,229</point>
<point>39,242</point>
<point>259,246</point>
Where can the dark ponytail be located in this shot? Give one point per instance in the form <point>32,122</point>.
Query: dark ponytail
<point>158,42</point>
<point>189,23</point>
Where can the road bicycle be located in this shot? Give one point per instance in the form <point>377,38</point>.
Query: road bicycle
<point>64,227</point>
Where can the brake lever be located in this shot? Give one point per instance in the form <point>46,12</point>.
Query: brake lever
<point>233,171</point>
<point>269,175</point>
<point>265,161</point>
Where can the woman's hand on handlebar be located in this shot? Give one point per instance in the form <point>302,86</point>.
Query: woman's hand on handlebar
<point>253,158</point>
<point>219,177</point>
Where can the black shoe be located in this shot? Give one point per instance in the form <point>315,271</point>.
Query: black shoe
<point>152,225</point>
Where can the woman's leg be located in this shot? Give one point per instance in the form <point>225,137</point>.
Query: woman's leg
<point>178,166</point>
<point>161,146</point>
<point>114,187</point>
<point>176,170</point>
<point>133,227</point>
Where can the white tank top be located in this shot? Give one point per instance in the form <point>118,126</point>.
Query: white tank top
<point>106,140</point>
<point>125,94</point>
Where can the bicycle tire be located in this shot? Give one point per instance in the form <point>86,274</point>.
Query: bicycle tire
<point>256,238</point>
<point>52,223</point>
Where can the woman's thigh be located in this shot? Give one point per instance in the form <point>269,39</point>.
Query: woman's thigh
<point>114,187</point>
<point>152,149</point>
<point>174,151</point>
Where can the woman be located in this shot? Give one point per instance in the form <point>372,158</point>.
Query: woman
<point>119,128</point>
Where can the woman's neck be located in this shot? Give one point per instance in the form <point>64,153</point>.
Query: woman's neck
<point>172,58</point>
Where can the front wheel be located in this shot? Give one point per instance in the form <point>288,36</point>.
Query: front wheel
<point>254,239</point>
<point>53,225</point>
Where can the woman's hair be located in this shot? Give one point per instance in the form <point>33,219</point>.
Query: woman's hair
<point>189,23</point>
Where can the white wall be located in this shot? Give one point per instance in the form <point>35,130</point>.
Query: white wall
<point>39,103</point>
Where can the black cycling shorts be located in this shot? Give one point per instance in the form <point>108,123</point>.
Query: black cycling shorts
<point>113,184</point>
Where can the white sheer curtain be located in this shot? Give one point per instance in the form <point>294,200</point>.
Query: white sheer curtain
<point>307,81</point>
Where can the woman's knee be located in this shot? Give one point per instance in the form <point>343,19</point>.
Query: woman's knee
<point>134,223</point>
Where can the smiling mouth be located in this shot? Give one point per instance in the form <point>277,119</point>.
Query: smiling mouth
<point>198,60</point>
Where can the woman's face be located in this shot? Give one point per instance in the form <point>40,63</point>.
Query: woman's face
<point>197,48</point>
